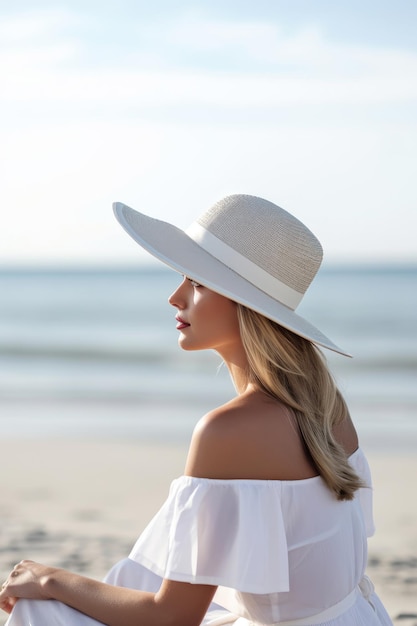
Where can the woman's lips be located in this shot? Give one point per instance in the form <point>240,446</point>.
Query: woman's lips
<point>181,323</point>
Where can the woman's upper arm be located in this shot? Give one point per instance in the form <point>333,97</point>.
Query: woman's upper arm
<point>186,603</point>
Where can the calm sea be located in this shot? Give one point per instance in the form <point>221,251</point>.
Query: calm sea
<point>94,353</point>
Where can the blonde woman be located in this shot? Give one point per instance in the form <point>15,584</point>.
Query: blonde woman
<point>269,522</point>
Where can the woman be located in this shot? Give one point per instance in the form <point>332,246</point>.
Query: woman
<point>269,523</point>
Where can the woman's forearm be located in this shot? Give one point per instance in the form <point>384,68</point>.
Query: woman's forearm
<point>114,606</point>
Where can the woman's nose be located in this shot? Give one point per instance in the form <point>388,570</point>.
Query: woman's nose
<point>177,298</point>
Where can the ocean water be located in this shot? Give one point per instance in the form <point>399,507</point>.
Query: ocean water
<point>94,353</point>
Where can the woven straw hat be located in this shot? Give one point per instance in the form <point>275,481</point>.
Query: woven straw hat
<point>245,248</point>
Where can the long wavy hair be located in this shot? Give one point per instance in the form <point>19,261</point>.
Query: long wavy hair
<point>294,371</point>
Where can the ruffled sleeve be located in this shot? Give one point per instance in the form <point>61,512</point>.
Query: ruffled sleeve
<point>365,494</point>
<point>227,533</point>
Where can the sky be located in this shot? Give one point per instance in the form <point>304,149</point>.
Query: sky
<point>169,106</point>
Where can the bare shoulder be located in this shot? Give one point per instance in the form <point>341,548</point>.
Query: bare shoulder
<point>252,436</point>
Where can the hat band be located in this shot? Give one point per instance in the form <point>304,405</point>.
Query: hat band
<point>244,266</point>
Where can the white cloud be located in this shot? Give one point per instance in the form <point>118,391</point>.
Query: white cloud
<point>277,48</point>
<point>328,73</point>
<point>119,89</point>
<point>200,33</point>
<point>33,26</point>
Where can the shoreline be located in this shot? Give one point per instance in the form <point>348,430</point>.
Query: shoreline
<point>81,504</point>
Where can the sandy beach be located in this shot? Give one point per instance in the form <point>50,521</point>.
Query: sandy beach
<point>81,505</point>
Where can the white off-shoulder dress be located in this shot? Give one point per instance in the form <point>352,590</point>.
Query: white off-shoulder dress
<point>279,552</point>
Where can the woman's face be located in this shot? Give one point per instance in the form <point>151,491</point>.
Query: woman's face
<point>206,319</point>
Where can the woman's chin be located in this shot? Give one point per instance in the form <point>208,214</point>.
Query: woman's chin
<point>186,344</point>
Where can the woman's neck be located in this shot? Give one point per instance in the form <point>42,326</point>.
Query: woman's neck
<point>238,366</point>
<point>239,376</point>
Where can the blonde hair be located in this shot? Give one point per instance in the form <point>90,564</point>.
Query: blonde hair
<point>293,370</point>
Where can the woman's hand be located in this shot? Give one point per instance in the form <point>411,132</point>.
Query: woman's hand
<point>26,580</point>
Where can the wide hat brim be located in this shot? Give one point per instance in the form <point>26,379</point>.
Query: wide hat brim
<point>176,249</point>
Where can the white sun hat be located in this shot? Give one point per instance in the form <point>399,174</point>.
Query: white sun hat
<point>245,248</point>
